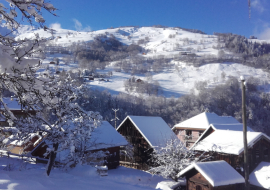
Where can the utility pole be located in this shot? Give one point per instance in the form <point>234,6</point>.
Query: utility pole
<point>249,10</point>
<point>246,161</point>
<point>115,118</point>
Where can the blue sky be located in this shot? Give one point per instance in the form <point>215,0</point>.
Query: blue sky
<point>206,15</point>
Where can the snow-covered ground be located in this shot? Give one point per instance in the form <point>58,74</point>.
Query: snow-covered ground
<point>159,41</point>
<point>176,83</point>
<point>32,177</point>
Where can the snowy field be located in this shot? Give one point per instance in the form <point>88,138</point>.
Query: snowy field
<point>32,177</point>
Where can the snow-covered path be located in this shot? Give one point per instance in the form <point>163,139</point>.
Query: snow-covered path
<point>33,177</point>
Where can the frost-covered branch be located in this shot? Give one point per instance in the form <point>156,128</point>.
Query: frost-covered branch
<point>170,160</point>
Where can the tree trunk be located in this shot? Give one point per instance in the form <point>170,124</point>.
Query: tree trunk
<point>51,159</point>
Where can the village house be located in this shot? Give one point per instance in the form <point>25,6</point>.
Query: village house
<point>14,146</point>
<point>228,145</point>
<point>104,138</point>
<point>212,175</point>
<point>191,129</point>
<point>144,133</point>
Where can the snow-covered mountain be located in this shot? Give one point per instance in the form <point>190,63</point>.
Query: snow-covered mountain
<point>168,42</point>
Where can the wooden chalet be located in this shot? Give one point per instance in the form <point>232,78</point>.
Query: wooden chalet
<point>144,133</point>
<point>18,147</point>
<point>228,145</point>
<point>104,138</point>
<point>191,129</point>
<point>260,177</point>
<point>212,175</point>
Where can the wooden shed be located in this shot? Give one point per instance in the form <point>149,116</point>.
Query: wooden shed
<point>215,175</point>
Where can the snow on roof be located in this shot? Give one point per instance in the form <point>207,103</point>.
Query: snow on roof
<point>154,129</point>
<point>2,118</point>
<point>230,142</point>
<point>170,185</point>
<point>203,120</point>
<point>218,173</point>
<point>261,175</point>
<point>26,140</point>
<point>9,129</point>
<point>12,103</point>
<point>231,126</point>
<point>106,136</point>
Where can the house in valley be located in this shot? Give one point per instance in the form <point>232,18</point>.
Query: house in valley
<point>144,133</point>
<point>191,129</point>
<point>8,143</point>
<point>104,138</point>
<point>228,145</point>
<point>212,175</point>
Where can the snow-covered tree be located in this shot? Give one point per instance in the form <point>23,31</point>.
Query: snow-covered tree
<point>70,126</point>
<point>174,157</point>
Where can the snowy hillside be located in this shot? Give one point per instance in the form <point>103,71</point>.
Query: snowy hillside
<point>167,42</point>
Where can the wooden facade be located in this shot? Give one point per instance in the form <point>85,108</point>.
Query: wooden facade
<point>142,149</point>
<point>196,181</point>
<point>188,135</point>
<point>112,160</point>
<point>259,152</point>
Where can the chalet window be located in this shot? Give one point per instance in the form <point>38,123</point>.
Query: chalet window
<point>257,156</point>
<point>188,144</point>
<point>188,132</point>
<point>198,187</point>
<point>265,153</point>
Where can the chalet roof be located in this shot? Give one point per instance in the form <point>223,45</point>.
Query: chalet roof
<point>154,129</point>
<point>106,136</point>
<point>218,173</point>
<point>203,120</point>
<point>231,127</point>
<point>12,103</point>
<point>229,142</point>
<point>10,140</point>
<point>261,175</point>
<point>228,127</point>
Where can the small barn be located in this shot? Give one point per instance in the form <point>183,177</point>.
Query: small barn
<point>260,177</point>
<point>144,133</point>
<point>212,175</point>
